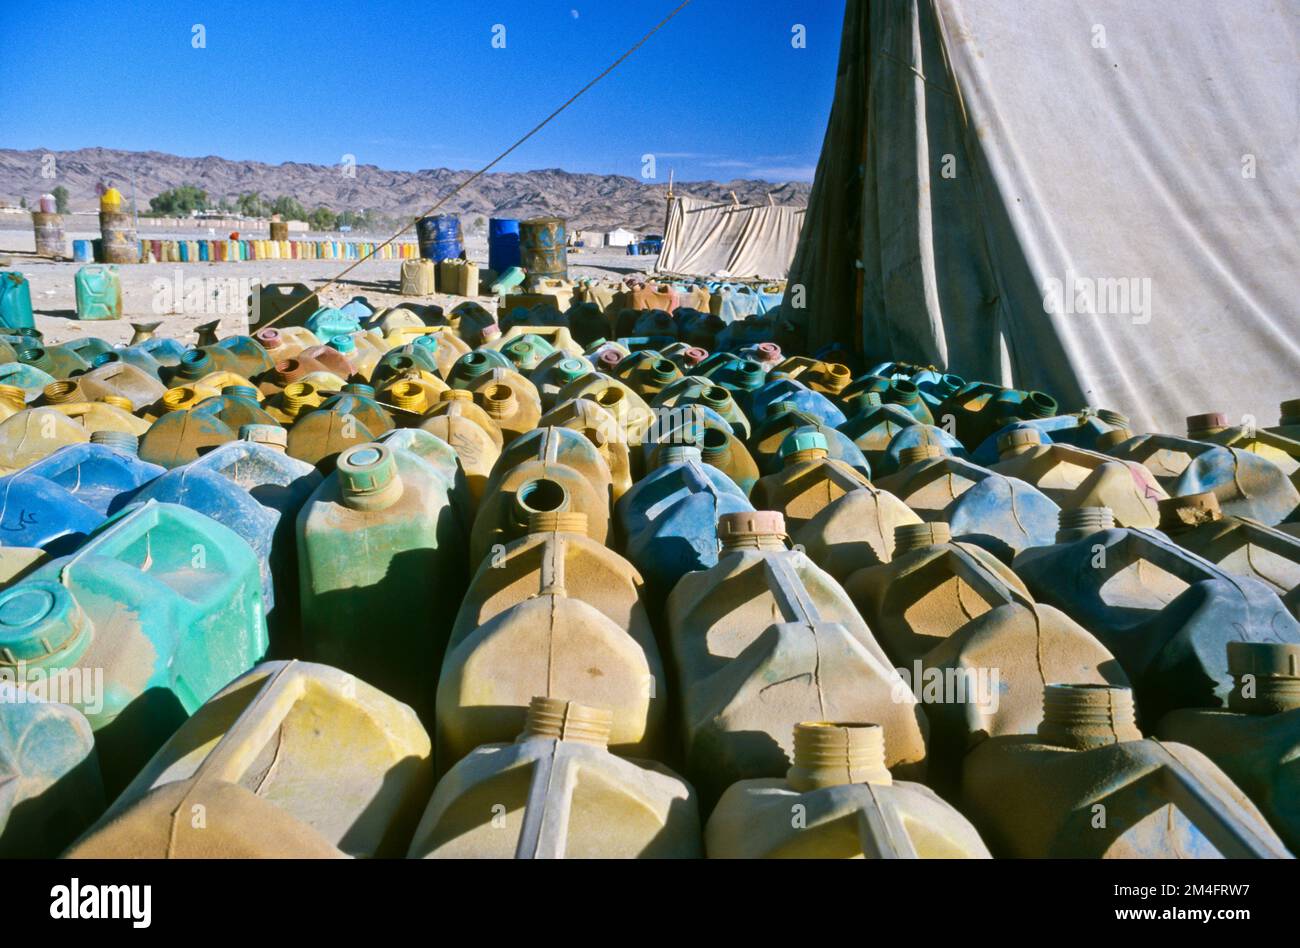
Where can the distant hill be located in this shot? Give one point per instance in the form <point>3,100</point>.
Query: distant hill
<point>585,200</point>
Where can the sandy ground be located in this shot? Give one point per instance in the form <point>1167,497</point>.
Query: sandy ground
<point>168,291</point>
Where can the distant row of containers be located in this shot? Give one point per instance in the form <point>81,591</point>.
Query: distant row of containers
<point>214,251</point>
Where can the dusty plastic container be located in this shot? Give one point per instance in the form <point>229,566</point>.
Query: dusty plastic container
<point>1240,546</point>
<point>988,677</point>
<point>602,429</point>
<point>809,481</point>
<point>854,531</point>
<point>59,361</point>
<point>26,378</point>
<point>418,278</point>
<point>52,787</point>
<point>928,480</point>
<point>1256,740</point>
<point>1076,477</point>
<point>778,390</point>
<point>256,490</point>
<point>124,380</point>
<point>472,435</point>
<point>285,342</point>
<point>848,807</point>
<point>166,602</point>
<point>785,417</point>
<point>930,588</point>
<point>669,518</point>
<point>557,612</point>
<point>375,539</point>
<point>340,422</point>
<point>515,409</point>
<point>1037,796</point>
<point>96,474</point>
<point>557,792</point>
<point>36,513</point>
<point>765,639</point>
<point>630,411</point>
<point>292,760</point>
<point>15,301</point>
<point>548,469</point>
<point>1247,484</point>
<point>698,390</point>
<point>1281,450</point>
<point>1082,429</point>
<point>98,292</point>
<point>35,433</point>
<point>1164,612</point>
<point>555,372</point>
<point>917,436</point>
<point>179,437</point>
<point>647,372</point>
<point>875,426</point>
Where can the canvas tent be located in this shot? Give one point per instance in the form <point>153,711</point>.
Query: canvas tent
<point>705,238</point>
<point>1096,199</point>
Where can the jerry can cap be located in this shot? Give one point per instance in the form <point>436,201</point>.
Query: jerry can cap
<point>268,337</point>
<point>1109,439</point>
<point>367,468</point>
<point>694,355</point>
<point>1264,659</point>
<point>1019,438</point>
<point>38,619</point>
<point>344,344</point>
<point>1206,422</point>
<point>272,435</point>
<point>916,536</point>
<point>803,439</point>
<point>751,523</point>
<point>919,452</point>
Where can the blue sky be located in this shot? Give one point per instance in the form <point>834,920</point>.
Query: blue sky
<point>719,93</point>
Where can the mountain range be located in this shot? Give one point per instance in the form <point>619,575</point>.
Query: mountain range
<point>600,201</point>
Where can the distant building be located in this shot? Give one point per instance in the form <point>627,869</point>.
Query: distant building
<point>620,237</point>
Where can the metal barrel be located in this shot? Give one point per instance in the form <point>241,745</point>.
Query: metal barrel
<point>439,237</point>
<point>541,248</point>
<point>120,244</point>
<point>50,241</point>
<point>503,244</point>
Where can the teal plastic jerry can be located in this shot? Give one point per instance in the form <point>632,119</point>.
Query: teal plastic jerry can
<point>156,612</point>
<point>15,301</point>
<point>99,293</point>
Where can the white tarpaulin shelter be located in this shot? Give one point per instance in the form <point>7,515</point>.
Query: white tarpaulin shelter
<point>1098,199</point>
<point>703,238</point>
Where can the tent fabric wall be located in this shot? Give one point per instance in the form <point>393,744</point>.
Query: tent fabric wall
<point>703,238</point>
<point>1098,200</point>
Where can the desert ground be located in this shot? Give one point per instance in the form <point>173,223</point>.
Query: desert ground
<point>149,290</point>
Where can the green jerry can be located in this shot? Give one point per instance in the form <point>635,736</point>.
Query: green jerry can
<point>158,610</point>
<point>99,293</point>
<point>381,568</point>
